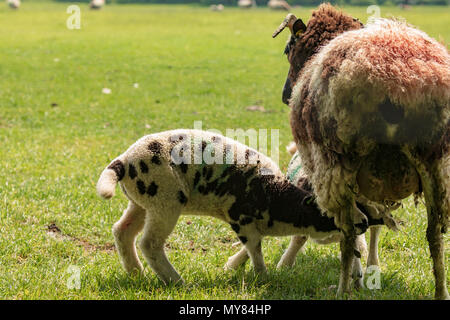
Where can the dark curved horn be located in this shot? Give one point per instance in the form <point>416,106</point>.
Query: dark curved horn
<point>288,21</point>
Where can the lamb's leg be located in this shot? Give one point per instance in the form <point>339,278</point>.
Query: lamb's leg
<point>372,260</point>
<point>158,227</point>
<point>288,258</point>
<point>250,237</point>
<point>237,260</point>
<point>357,272</point>
<point>434,175</point>
<point>253,246</point>
<point>125,231</point>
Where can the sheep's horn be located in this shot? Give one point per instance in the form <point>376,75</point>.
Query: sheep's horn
<point>288,21</point>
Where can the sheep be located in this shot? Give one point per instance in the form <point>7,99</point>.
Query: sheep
<point>217,7</point>
<point>96,4</point>
<point>246,4</point>
<point>278,5</point>
<point>197,172</point>
<point>370,115</point>
<point>14,4</point>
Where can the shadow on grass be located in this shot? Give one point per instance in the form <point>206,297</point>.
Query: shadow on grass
<point>312,277</point>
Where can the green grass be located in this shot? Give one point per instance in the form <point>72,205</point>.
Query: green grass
<point>190,64</point>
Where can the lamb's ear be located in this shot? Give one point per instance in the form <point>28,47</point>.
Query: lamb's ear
<point>299,27</point>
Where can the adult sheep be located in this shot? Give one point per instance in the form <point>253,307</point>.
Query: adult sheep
<point>279,5</point>
<point>14,4</point>
<point>370,115</point>
<point>96,4</point>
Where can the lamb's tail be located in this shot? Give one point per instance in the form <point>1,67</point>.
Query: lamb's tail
<point>106,184</point>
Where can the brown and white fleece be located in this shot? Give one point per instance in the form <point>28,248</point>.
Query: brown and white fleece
<point>379,92</point>
<point>195,172</point>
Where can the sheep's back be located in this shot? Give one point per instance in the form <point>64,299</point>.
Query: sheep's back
<point>386,83</point>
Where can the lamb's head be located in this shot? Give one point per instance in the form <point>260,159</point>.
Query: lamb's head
<point>325,24</point>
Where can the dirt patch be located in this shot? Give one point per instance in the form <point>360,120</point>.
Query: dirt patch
<point>55,232</point>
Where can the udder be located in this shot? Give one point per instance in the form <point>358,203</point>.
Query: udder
<point>386,174</point>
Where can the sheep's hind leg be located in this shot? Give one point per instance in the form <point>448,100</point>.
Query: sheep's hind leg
<point>125,231</point>
<point>158,227</point>
<point>432,175</point>
<point>288,259</point>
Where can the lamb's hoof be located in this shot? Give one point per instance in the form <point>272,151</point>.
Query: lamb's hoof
<point>358,283</point>
<point>135,270</point>
<point>232,265</point>
<point>176,283</point>
<point>261,271</point>
<point>229,267</point>
<point>287,263</point>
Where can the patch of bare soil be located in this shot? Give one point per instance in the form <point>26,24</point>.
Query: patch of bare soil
<point>55,232</point>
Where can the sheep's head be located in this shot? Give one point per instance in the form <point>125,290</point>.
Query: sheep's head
<point>325,24</point>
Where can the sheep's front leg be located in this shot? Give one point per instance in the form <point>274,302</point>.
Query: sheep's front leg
<point>288,258</point>
<point>434,176</point>
<point>158,226</point>
<point>351,219</point>
<point>125,231</point>
<point>347,245</point>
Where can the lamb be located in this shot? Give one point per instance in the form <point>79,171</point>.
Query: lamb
<point>197,172</point>
<point>14,4</point>
<point>370,115</point>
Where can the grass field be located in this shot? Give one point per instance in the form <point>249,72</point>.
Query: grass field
<point>58,131</point>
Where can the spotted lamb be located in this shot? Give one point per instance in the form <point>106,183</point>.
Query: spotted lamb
<point>179,172</point>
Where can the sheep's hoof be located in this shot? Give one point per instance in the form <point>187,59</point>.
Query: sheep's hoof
<point>342,293</point>
<point>444,296</point>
